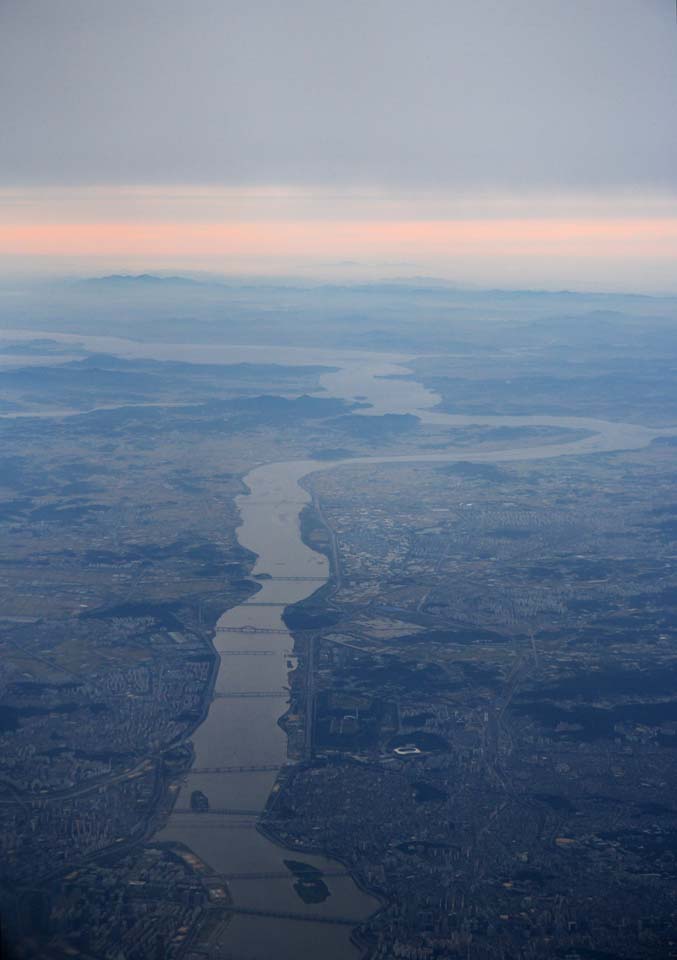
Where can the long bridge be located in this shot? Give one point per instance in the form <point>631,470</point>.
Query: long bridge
<point>216,812</point>
<point>249,653</point>
<point>279,876</point>
<point>244,824</point>
<point>247,628</point>
<point>262,768</point>
<point>304,917</point>
<point>248,694</point>
<point>264,603</point>
<point>302,579</point>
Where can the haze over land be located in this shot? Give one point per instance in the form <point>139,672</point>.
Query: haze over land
<point>503,144</point>
<point>358,602</point>
<point>338,480</point>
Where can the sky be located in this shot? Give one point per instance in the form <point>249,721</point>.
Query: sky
<point>491,142</point>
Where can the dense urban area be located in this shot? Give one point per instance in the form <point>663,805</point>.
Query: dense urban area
<point>481,717</point>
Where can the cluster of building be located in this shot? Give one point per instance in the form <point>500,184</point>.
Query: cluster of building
<point>499,771</point>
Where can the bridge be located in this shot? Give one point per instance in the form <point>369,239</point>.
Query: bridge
<point>262,768</point>
<point>249,653</point>
<point>279,876</point>
<point>262,603</point>
<point>304,917</point>
<point>249,629</point>
<point>215,812</point>
<point>238,695</point>
<point>301,579</point>
<point>248,824</point>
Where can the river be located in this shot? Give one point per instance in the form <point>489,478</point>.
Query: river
<point>251,691</point>
<point>255,650</point>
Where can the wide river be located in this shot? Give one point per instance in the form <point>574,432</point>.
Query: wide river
<point>239,748</point>
<point>255,646</point>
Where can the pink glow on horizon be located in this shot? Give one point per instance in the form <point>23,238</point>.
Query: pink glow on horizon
<point>586,238</point>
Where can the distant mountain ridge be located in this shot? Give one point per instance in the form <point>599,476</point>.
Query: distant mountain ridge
<point>142,278</point>
<point>403,285</point>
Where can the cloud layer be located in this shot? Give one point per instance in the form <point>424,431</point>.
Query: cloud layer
<point>437,94</point>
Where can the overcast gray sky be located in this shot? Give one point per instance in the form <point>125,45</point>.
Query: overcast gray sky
<point>524,142</point>
<point>453,93</point>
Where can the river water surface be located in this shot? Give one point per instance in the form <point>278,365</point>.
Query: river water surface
<point>239,748</point>
<point>255,650</point>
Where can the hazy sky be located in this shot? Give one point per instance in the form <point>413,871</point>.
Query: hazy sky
<point>380,136</point>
